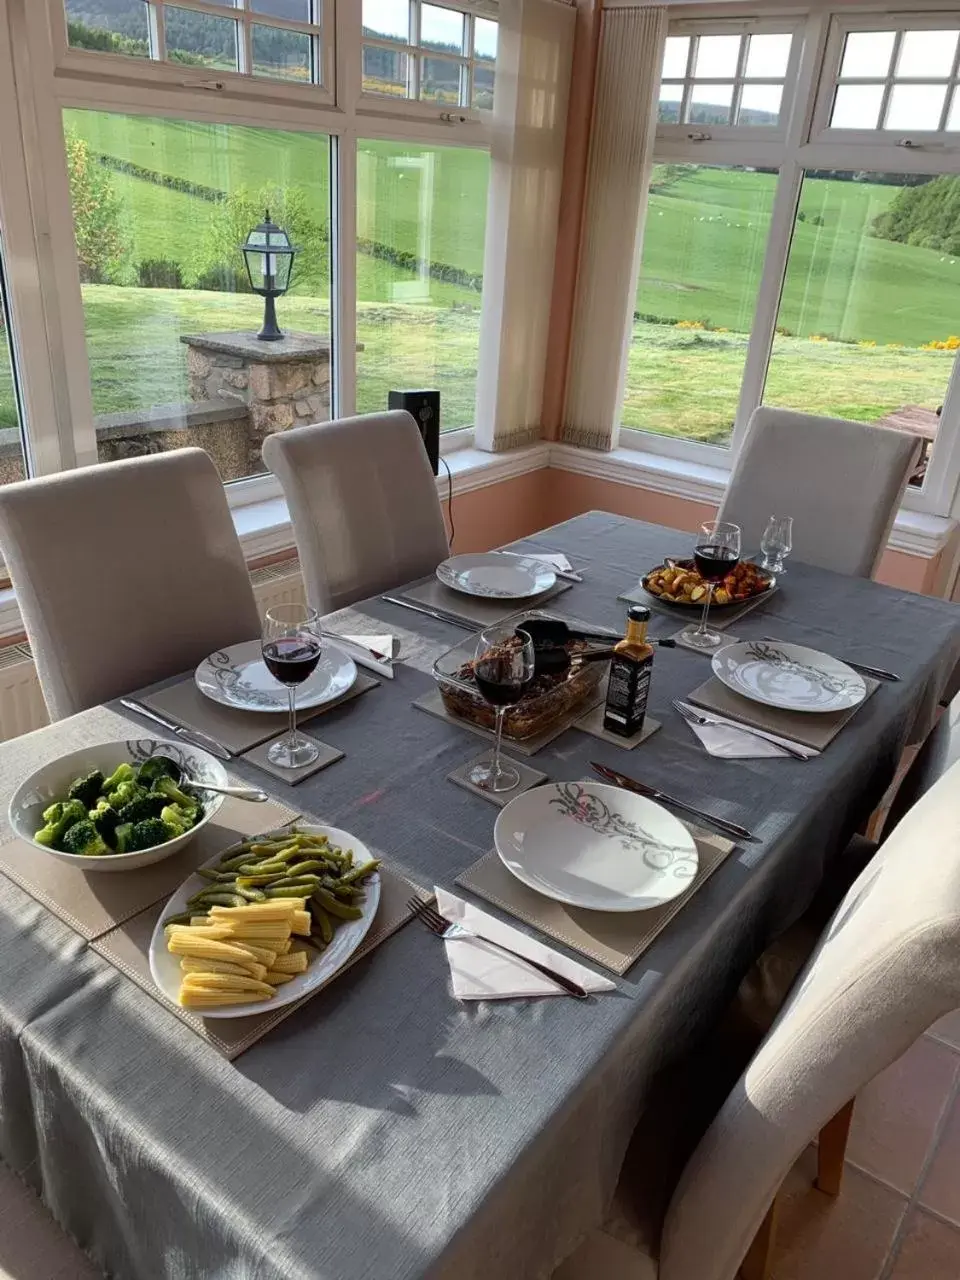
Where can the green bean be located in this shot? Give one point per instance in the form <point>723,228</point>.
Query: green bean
<point>232,864</point>
<point>309,883</point>
<point>223,900</point>
<point>360,872</point>
<point>208,873</point>
<point>251,882</point>
<point>322,920</point>
<point>252,895</point>
<point>182,918</point>
<point>334,906</point>
<point>288,892</point>
<point>261,868</point>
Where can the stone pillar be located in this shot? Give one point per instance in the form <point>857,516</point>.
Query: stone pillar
<point>283,383</point>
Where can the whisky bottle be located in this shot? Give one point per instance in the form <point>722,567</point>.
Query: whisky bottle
<point>630,670</point>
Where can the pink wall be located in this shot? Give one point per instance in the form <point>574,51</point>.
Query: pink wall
<point>501,512</point>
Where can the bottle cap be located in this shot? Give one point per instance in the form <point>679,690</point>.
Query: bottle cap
<point>638,613</point>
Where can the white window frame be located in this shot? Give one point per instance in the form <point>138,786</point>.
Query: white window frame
<point>799,150</point>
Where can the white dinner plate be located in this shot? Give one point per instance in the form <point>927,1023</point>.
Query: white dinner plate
<point>238,677</point>
<point>165,968</point>
<point>497,577</point>
<point>789,676</point>
<point>596,846</point>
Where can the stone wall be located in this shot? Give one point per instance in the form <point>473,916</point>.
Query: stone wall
<point>222,429</point>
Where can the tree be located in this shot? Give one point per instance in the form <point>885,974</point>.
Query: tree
<point>927,216</point>
<point>102,245</point>
<point>228,223</point>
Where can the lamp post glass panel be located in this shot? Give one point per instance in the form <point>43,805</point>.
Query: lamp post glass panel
<point>269,255</point>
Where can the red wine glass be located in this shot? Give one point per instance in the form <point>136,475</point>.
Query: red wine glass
<point>503,671</point>
<point>291,649</point>
<point>716,553</point>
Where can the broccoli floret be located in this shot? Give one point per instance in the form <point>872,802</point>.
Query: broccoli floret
<point>121,837</point>
<point>83,837</point>
<point>106,819</point>
<point>58,818</point>
<point>143,806</point>
<point>126,792</point>
<point>146,834</point>
<point>176,820</point>
<point>158,767</point>
<point>86,790</point>
<point>167,788</point>
<point>122,773</point>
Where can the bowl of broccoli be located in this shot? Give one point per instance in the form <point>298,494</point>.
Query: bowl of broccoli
<point>120,805</point>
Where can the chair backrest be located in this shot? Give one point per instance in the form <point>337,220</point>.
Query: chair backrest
<point>886,968</point>
<point>841,481</point>
<point>125,573</point>
<point>364,505</point>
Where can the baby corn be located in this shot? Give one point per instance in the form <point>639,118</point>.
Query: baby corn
<point>295,962</point>
<point>189,964</point>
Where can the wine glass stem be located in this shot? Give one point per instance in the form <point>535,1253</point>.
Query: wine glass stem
<point>292,699</point>
<point>702,629</point>
<point>501,712</point>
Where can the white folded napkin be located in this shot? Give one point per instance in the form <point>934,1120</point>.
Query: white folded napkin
<point>358,647</point>
<point>732,743</point>
<point>555,559</point>
<point>481,972</point>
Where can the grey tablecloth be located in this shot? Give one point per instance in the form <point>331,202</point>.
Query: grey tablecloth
<point>386,1132</point>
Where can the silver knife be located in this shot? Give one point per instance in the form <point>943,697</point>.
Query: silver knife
<point>438,614</point>
<point>878,673</point>
<point>631,784</point>
<point>202,740</point>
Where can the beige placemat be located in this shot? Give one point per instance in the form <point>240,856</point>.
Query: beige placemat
<point>614,939</point>
<point>720,618</point>
<point>472,609</point>
<point>810,730</point>
<point>433,704</point>
<point>94,902</point>
<point>128,949</point>
<point>238,731</point>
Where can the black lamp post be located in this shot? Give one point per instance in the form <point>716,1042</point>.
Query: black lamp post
<point>269,254</point>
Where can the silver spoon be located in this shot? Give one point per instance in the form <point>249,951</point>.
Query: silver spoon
<point>238,793</point>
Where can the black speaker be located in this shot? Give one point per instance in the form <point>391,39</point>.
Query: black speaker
<point>425,407</point>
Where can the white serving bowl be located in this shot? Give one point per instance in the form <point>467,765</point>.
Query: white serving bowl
<point>50,783</point>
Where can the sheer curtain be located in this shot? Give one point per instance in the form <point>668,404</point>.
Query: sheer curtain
<point>526,172</point>
<point>618,174</point>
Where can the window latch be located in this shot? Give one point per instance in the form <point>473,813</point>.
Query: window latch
<point>908,143</point>
<point>451,117</point>
<point>213,85</point>
<point>698,137</point>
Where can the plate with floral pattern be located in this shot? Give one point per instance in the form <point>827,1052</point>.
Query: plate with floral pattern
<point>238,677</point>
<point>497,577</point>
<point>595,846</point>
<point>789,676</point>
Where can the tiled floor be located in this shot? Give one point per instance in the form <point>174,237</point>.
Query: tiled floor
<point>32,1246</point>
<point>898,1213</point>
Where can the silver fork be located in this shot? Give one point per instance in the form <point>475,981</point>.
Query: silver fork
<point>694,717</point>
<point>435,922</point>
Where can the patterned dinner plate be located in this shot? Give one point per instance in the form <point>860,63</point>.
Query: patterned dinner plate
<point>595,846</point>
<point>789,676</point>
<point>238,677</point>
<point>496,577</point>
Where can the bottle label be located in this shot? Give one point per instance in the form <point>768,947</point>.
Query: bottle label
<point>627,694</point>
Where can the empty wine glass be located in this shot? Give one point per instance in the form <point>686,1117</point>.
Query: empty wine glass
<point>776,543</point>
<point>291,649</point>
<point>503,671</point>
<point>716,553</point>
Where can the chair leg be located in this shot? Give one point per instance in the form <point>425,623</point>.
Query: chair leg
<point>756,1265</point>
<point>832,1149</point>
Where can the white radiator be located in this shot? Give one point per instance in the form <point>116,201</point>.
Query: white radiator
<point>21,702</point>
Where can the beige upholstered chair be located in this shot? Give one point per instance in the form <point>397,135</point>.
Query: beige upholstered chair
<point>364,505</point>
<point>125,573</point>
<point>841,481</point>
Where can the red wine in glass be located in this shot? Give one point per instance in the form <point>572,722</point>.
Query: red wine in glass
<point>499,687</point>
<point>714,562</point>
<point>291,660</point>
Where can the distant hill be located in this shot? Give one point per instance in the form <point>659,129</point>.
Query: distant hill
<point>927,216</point>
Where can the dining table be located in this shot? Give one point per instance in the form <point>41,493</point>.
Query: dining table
<point>385,1130</point>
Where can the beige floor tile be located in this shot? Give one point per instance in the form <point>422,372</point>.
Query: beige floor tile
<point>819,1237</point>
<point>600,1257</point>
<point>930,1250</point>
<point>896,1115</point>
<point>940,1190</point>
<point>32,1246</point>
<point>948,1029</point>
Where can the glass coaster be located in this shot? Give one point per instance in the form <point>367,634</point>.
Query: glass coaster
<point>528,778</point>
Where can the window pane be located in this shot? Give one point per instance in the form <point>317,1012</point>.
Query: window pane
<point>871,300</point>
<point>867,53</point>
<point>388,19</point>
<point>675,54</point>
<point>281,54</point>
<point>440,80</point>
<point>953,122</point>
<point>671,95</point>
<point>485,38</point>
<point>483,85</point>
<point>703,247</point>
<point>385,72</point>
<point>760,104</point>
<point>421,215</point>
<point>161,208</point>
<point>12,466</point>
<point>717,57</point>
<point>927,54</point>
<point>200,39</point>
<point>857,106</point>
<point>710,104</point>
<point>441,29</point>
<point>295,10</point>
<point>915,106</point>
<point>767,56</point>
<point>113,26</point>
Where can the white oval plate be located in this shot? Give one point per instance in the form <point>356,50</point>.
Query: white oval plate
<point>596,846</point>
<point>238,677</point>
<point>789,676</point>
<point>165,968</point>
<point>496,577</point>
